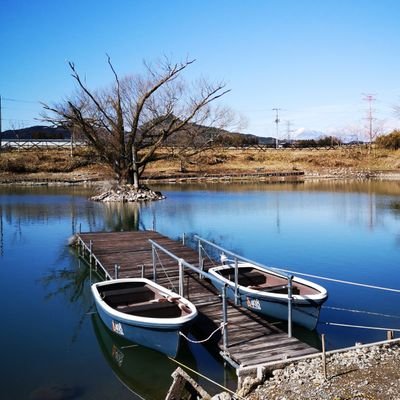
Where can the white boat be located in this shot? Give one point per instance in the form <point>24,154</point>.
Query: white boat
<point>265,291</point>
<point>144,312</point>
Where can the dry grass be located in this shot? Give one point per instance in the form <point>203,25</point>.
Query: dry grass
<point>219,161</point>
<point>250,160</point>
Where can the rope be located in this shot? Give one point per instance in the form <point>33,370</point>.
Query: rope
<point>339,281</point>
<point>362,312</point>
<point>362,327</point>
<point>221,327</point>
<point>208,256</point>
<point>165,272</point>
<point>208,379</point>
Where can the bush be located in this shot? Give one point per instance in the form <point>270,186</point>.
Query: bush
<point>390,141</point>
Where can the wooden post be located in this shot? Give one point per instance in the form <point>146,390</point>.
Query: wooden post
<point>390,335</point>
<point>324,357</point>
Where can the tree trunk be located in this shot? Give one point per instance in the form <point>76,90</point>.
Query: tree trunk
<point>134,169</point>
<point>135,179</point>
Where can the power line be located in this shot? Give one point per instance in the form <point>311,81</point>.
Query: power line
<point>19,100</point>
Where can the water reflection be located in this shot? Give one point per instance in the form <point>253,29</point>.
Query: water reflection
<point>147,373</point>
<point>344,230</point>
<point>122,217</point>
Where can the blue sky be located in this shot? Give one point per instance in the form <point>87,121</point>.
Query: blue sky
<point>313,59</point>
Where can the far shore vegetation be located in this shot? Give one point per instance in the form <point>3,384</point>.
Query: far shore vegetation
<point>84,162</point>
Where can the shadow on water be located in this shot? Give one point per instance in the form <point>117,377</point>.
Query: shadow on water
<point>145,372</point>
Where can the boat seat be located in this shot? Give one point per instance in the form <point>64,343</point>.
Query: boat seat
<point>153,310</point>
<point>117,292</point>
<point>250,278</point>
<point>115,297</point>
<point>280,288</point>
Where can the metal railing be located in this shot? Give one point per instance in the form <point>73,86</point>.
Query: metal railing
<point>93,261</point>
<point>184,264</point>
<point>236,259</point>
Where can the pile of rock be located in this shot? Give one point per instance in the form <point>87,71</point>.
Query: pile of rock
<point>127,193</point>
<point>360,373</point>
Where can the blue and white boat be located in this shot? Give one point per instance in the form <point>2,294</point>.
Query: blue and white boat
<point>144,312</point>
<point>265,291</point>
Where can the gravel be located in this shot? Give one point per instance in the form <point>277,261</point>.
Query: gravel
<point>369,373</point>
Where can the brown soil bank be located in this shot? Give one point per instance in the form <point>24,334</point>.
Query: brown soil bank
<point>58,165</point>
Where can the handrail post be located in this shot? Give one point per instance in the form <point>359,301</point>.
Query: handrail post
<point>224,319</point>
<point>290,301</point>
<point>116,271</point>
<point>236,282</point>
<point>181,287</point>
<point>153,257</point>
<point>143,272</point>
<point>201,260</point>
<point>90,252</point>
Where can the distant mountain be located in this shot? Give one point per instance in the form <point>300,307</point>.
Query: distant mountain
<point>308,134</point>
<point>37,132</point>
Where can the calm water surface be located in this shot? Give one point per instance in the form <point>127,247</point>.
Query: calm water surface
<point>54,346</point>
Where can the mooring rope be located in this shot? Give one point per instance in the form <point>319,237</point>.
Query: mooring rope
<point>362,312</point>
<point>221,327</point>
<point>338,280</point>
<point>207,378</point>
<point>376,328</point>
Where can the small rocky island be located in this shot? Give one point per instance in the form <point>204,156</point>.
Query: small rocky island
<point>127,193</point>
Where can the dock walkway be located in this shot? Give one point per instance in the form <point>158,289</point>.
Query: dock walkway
<point>252,340</point>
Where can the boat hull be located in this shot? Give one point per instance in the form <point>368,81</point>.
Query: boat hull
<point>305,309</point>
<point>164,339</point>
<point>159,330</point>
<point>305,315</point>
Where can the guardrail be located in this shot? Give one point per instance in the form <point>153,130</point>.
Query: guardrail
<point>27,144</point>
<point>236,259</point>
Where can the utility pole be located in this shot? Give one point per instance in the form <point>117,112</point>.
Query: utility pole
<point>289,130</point>
<point>277,120</point>
<point>370,98</point>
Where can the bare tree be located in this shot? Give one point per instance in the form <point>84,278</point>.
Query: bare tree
<point>127,122</point>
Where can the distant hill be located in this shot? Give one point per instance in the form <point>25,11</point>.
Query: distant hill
<point>37,132</point>
<point>221,136</point>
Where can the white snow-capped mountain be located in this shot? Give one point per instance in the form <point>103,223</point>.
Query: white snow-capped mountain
<point>308,134</point>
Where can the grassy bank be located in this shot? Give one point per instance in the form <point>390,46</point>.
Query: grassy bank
<point>85,165</point>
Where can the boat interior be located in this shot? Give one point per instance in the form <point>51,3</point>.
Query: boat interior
<point>253,278</point>
<point>142,300</point>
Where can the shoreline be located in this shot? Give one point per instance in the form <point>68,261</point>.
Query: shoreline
<point>360,372</point>
<point>43,179</point>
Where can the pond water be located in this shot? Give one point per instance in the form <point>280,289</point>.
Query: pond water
<point>53,344</point>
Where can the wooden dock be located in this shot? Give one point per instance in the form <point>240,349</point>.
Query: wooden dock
<point>252,341</point>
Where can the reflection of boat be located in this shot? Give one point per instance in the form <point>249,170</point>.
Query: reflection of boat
<point>266,291</point>
<point>145,372</point>
<point>144,312</point>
